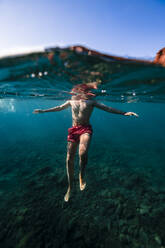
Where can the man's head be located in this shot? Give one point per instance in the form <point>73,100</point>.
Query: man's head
<point>83,91</point>
<point>93,85</point>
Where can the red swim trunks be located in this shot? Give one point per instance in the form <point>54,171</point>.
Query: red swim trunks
<point>75,132</point>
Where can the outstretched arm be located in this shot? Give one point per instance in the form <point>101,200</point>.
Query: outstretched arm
<point>54,109</point>
<point>112,110</point>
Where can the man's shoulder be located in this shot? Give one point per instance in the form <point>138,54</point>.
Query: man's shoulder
<point>68,102</point>
<point>90,102</point>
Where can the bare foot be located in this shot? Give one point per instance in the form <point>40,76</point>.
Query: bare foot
<point>67,195</point>
<point>82,183</point>
<point>82,186</point>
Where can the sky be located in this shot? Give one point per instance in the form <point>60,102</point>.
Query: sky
<point>133,28</point>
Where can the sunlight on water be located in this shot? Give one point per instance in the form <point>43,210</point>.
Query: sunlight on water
<point>7,105</point>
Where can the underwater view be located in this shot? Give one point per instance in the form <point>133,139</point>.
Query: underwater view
<point>123,204</point>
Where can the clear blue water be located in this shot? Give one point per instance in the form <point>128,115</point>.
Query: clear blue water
<point>124,202</point>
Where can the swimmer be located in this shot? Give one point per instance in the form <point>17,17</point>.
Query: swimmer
<point>79,135</point>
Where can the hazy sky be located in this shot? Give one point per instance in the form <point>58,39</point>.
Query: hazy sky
<point>122,27</point>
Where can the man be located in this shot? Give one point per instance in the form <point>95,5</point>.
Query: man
<point>82,105</point>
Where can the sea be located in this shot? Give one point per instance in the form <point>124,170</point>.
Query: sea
<point>123,204</point>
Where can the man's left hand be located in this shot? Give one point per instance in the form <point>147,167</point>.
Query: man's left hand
<point>131,113</point>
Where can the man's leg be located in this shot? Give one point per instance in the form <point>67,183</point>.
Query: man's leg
<point>71,151</point>
<point>83,157</point>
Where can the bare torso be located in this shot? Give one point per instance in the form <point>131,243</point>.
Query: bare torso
<point>81,111</point>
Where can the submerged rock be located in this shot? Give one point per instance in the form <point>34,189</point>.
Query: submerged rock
<point>158,239</point>
<point>144,209</point>
<point>44,170</point>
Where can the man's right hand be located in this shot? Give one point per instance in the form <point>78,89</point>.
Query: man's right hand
<point>38,111</point>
